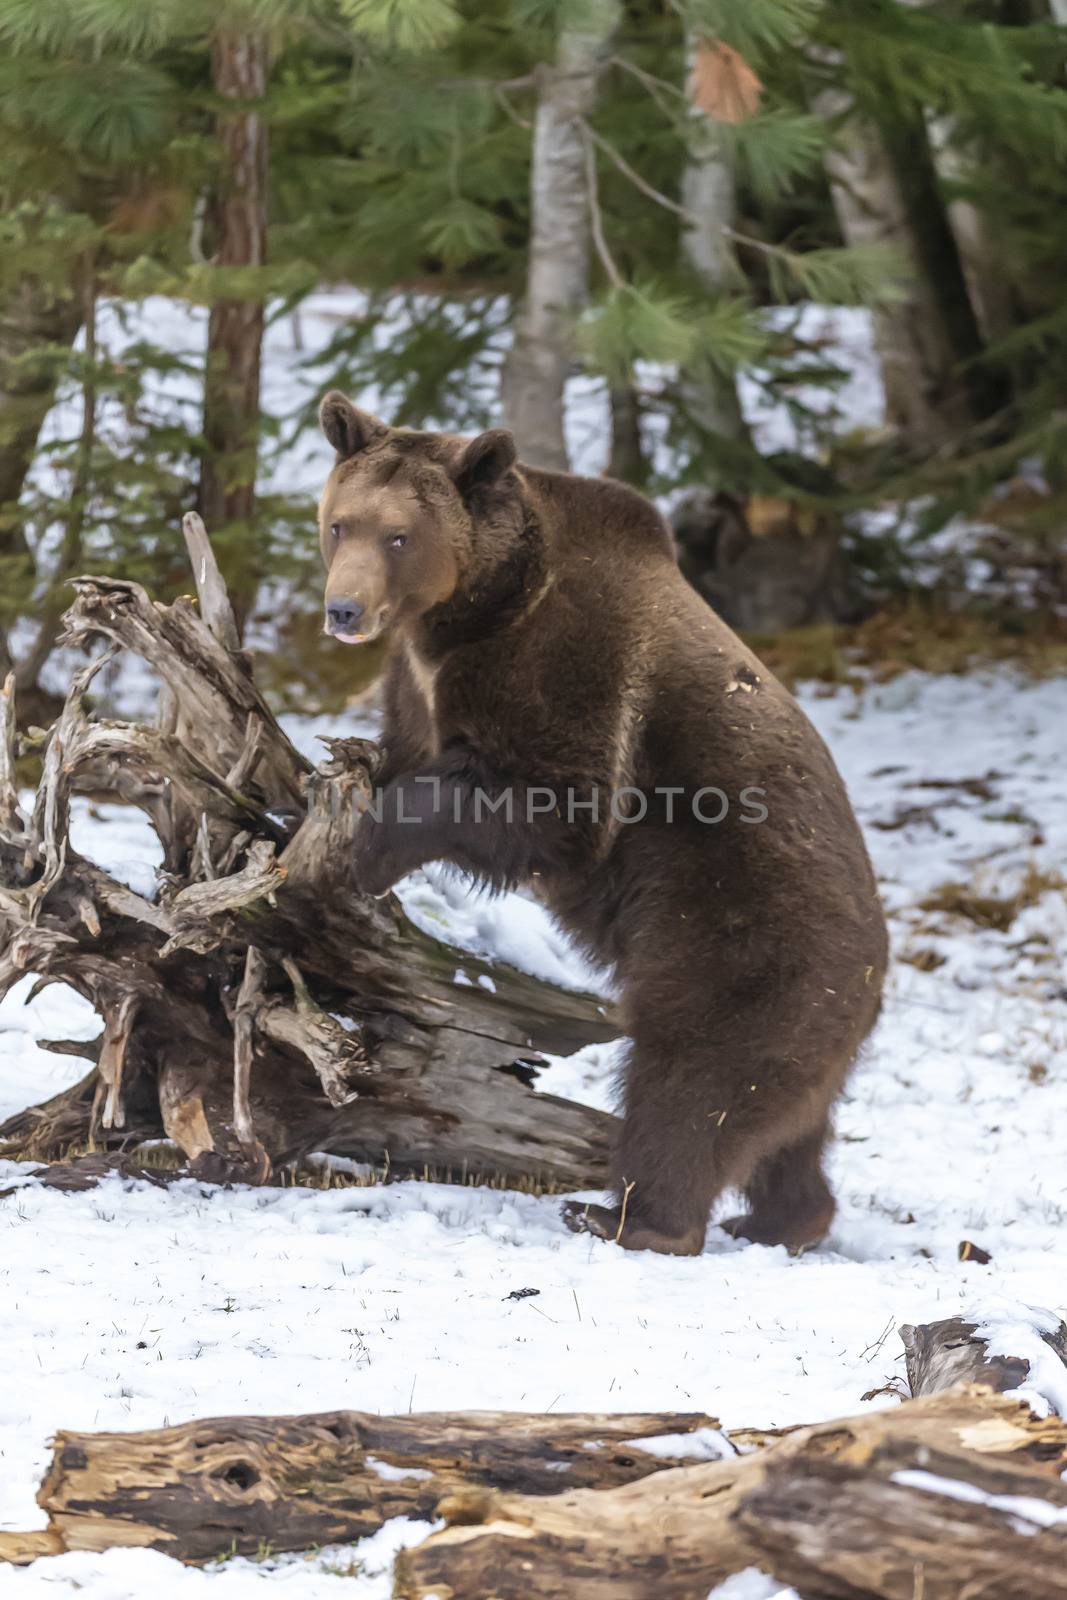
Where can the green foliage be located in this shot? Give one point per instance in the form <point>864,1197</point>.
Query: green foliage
<point>459,231</point>
<point>430,361</point>
<point>108,113</point>
<point>400,145</point>
<point>403,24</point>
<point>856,275</point>
<point>778,149</point>
<point>752,26</point>
<point>644,322</point>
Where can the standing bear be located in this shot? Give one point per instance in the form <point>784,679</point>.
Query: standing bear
<point>563,712</point>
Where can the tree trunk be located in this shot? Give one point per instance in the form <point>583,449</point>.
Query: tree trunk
<point>627,461</point>
<point>926,401</point>
<point>260,1009</point>
<point>982,264</point>
<point>823,1507</point>
<point>34,319</point>
<point>982,261</point>
<point>536,370</point>
<point>709,195</point>
<point>239,66</point>
<point>235,1484</point>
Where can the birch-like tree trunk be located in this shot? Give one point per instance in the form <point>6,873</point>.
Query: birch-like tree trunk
<point>709,195</point>
<point>925,399</point>
<point>557,284</point>
<point>239,66</point>
<point>32,317</point>
<point>1059,11</point>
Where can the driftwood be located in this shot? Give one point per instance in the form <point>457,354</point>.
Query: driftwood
<point>825,1508</point>
<point>242,1483</point>
<point>940,1355</point>
<point>257,1008</point>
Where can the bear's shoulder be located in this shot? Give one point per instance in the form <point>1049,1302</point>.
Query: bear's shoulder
<point>599,512</point>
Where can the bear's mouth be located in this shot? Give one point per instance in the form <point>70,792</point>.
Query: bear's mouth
<point>372,627</point>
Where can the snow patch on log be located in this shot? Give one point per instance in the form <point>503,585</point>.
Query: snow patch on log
<point>1037,1336</point>
<point>705,1444</point>
<point>1022,1509</point>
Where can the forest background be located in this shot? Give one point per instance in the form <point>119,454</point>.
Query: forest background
<point>643,198</point>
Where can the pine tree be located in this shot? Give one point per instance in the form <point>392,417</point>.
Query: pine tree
<point>240,58</point>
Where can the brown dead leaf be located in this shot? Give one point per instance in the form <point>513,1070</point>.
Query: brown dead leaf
<point>722,83</point>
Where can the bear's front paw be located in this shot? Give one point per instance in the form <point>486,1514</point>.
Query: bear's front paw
<point>583,1217</point>
<point>605,1222</point>
<point>375,866</point>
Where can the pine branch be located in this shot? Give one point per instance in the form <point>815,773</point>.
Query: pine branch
<point>596,218</point>
<point>635,178</point>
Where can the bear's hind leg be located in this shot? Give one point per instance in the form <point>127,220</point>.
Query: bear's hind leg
<point>790,1201</point>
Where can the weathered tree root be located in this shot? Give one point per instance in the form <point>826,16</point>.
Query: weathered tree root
<point>259,1008</point>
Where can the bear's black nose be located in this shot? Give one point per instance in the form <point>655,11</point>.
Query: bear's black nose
<point>342,616</point>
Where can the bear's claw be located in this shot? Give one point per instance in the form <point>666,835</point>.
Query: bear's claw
<point>581,1216</point>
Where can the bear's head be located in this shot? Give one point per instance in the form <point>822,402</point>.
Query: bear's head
<point>409,522</point>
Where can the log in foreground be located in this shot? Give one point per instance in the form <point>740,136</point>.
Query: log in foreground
<point>955,1495</point>
<point>258,1008</point>
<point>204,1489</point>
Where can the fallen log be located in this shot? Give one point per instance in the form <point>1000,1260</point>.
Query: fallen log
<point>939,1524</point>
<point>940,1355</point>
<point>677,1534</point>
<point>258,1008</point>
<point>238,1484</point>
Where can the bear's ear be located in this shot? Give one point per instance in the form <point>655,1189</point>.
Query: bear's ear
<point>485,461</point>
<point>348,429</point>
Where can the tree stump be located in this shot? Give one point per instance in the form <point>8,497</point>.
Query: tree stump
<point>940,1355</point>
<point>259,1008</point>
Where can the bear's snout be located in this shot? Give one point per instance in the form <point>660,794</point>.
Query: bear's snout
<point>343,617</point>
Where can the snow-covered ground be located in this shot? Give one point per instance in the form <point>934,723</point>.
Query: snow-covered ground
<point>129,1307</point>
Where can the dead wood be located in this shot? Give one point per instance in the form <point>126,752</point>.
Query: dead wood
<point>348,1032</point>
<point>239,1484</point>
<point>926,1522</point>
<point>942,1354</point>
<point>676,1535</point>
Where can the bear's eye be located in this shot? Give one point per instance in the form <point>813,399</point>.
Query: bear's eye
<point>336,529</point>
<point>396,541</point>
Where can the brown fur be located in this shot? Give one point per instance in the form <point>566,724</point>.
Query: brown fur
<point>542,634</point>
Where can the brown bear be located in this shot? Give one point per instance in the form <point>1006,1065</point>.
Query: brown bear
<point>564,712</point>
